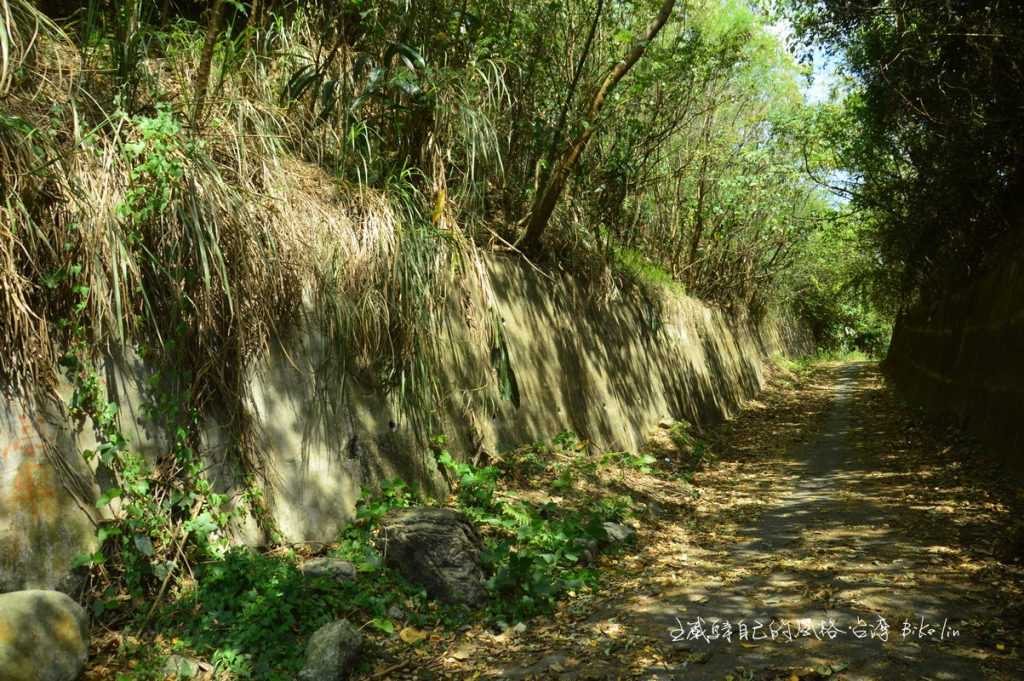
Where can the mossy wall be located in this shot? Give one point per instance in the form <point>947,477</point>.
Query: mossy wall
<point>606,369</point>
<point>962,357</point>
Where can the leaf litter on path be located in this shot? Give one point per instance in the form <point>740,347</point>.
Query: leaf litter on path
<point>912,518</point>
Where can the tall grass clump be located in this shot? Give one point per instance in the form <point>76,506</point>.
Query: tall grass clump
<point>209,231</point>
<point>32,186</point>
<point>135,218</point>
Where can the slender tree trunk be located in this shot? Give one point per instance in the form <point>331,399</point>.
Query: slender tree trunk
<point>556,138</point>
<point>255,22</point>
<point>206,60</point>
<point>547,198</point>
<point>512,197</point>
<point>698,225</point>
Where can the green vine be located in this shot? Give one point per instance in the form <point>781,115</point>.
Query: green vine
<point>161,515</point>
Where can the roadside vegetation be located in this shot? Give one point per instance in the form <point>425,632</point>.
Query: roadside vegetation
<point>541,509</point>
<point>931,133</point>
<point>176,177</point>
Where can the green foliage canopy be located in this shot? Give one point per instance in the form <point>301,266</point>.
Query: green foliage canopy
<point>933,130</point>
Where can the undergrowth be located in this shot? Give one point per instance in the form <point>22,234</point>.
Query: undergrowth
<point>248,613</point>
<point>801,367</point>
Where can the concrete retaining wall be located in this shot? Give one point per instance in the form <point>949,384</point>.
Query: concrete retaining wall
<point>963,357</point>
<point>606,370</point>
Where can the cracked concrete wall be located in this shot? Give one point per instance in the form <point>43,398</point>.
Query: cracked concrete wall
<point>609,370</point>
<point>962,357</point>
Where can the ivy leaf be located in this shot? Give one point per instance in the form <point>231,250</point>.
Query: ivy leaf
<point>105,532</point>
<point>384,625</point>
<point>163,568</point>
<point>202,526</point>
<point>108,496</point>
<point>144,545</point>
<point>86,559</point>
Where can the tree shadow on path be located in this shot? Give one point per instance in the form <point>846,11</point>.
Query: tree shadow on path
<point>806,552</point>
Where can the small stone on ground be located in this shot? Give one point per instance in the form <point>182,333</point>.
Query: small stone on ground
<point>332,652</point>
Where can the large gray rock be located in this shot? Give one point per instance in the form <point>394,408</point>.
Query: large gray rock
<point>44,636</point>
<point>437,548</point>
<point>332,652</point>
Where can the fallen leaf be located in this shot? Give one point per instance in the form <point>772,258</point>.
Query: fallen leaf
<point>463,652</point>
<point>411,635</point>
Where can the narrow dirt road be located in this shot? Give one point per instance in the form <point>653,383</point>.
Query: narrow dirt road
<point>837,537</point>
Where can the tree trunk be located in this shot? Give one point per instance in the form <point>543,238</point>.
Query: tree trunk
<point>205,61</point>
<point>547,198</point>
<point>698,226</point>
<point>556,138</point>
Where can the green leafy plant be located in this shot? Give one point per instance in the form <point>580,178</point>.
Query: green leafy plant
<point>534,553</point>
<point>155,523</point>
<point>475,485</point>
<point>641,462</point>
<point>158,165</point>
<point>537,556</point>
<point>160,519</point>
<point>249,612</point>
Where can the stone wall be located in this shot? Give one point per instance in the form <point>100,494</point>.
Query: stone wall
<point>963,358</point>
<point>606,370</point>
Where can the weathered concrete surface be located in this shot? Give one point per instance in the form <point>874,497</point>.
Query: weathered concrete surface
<point>48,492</point>
<point>43,481</point>
<point>963,357</point>
<point>606,370</point>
